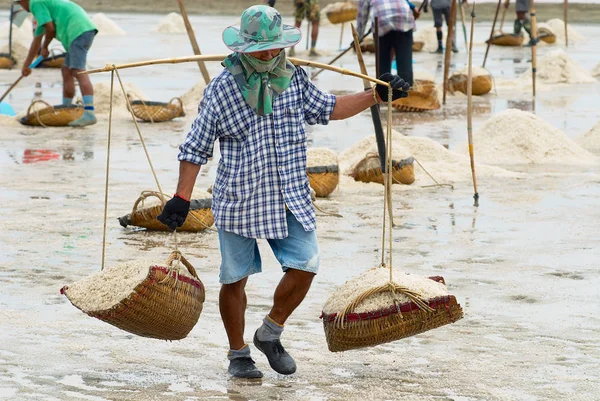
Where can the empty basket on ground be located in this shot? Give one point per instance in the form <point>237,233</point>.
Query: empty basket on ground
<point>369,309</point>
<point>161,301</point>
<point>482,81</point>
<point>369,170</point>
<point>418,46</point>
<point>342,12</point>
<point>51,116</point>
<point>506,39</point>
<point>421,97</point>
<point>322,170</point>
<point>55,61</point>
<point>7,61</point>
<point>144,215</point>
<point>157,111</point>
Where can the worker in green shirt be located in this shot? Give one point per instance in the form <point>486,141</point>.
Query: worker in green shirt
<point>70,24</point>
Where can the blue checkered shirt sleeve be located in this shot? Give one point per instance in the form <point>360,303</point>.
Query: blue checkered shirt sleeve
<point>394,15</point>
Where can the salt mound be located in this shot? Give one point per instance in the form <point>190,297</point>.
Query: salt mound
<point>172,23</point>
<point>428,36</point>
<point>517,137</point>
<point>102,97</point>
<point>8,121</point>
<point>557,67</point>
<point>24,33</point>
<point>319,157</point>
<point>191,99</point>
<point>596,71</point>
<point>591,139</point>
<point>106,26</point>
<point>376,277</point>
<point>19,50</point>
<point>475,70</point>
<point>350,158</point>
<point>558,28</point>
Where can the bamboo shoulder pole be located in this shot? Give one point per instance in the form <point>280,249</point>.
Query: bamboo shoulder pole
<point>11,87</point>
<point>487,49</point>
<point>447,55</point>
<point>470,108</point>
<point>565,8</point>
<point>221,57</point>
<point>533,43</point>
<point>192,36</point>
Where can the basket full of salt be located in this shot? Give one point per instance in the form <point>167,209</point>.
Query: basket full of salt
<point>369,170</point>
<point>322,170</point>
<point>370,309</point>
<point>161,301</point>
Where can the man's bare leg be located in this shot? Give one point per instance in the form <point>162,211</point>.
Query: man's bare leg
<point>232,305</point>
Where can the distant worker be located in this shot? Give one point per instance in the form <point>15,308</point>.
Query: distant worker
<point>396,25</point>
<point>522,21</point>
<point>270,3</point>
<point>69,24</point>
<point>310,10</point>
<point>441,8</point>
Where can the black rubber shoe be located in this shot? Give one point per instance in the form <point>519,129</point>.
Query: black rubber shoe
<point>244,368</point>
<point>454,49</point>
<point>279,359</point>
<point>439,50</point>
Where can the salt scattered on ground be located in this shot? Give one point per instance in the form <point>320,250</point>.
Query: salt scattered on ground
<point>517,137</point>
<point>318,157</point>
<point>558,28</point>
<point>172,23</point>
<point>591,139</point>
<point>376,277</point>
<point>428,36</point>
<point>191,99</point>
<point>8,121</point>
<point>102,97</point>
<point>106,26</point>
<point>557,67</point>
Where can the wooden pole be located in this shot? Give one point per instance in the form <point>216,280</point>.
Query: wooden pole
<point>566,6</point>
<point>12,7</point>
<point>11,87</point>
<point>470,108</point>
<point>506,4</point>
<point>376,43</point>
<point>342,34</point>
<point>462,18</point>
<point>307,33</point>
<point>533,43</point>
<point>491,33</point>
<point>375,116</point>
<point>336,58</point>
<point>192,36</point>
<point>448,53</point>
<point>221,57</point>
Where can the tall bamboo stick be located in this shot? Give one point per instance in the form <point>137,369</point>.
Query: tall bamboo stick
<point>376,43</point>
<point>336,58</point>
<point>487,49</point>
<point>565,8</point>
<point>470,108</point>
<point>462,19</point>
<point>533,43</point>
<point>192,36</point>
<point>506,3</point>
<point>447,55</point>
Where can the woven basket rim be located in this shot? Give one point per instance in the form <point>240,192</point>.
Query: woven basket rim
<point>148,103</point>
<point>403,162</point>
<point>54,57</point>
<point>385,312</point>
<point>333,168</point>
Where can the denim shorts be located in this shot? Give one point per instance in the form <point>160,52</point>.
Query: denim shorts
<point>240,256</point>
<point>76,57</point>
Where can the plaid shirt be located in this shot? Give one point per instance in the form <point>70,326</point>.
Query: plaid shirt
<point>394,15</point>
<point>263,158</point>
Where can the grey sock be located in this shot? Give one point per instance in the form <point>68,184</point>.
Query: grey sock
<point>240,353</point>
<point>269,330</point>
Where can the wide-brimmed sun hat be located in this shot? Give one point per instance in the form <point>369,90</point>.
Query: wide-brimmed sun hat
<point>261,28</point>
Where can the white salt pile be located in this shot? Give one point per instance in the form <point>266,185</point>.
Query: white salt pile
<point>191,99</point>
<point>318,157</point>
<point>428,36</point>
<point>475,70</point>
<point>172,23</point>
<point>558,28</point>
<point>106,26</point>
<point>24,33</point>
<point>591,139</point>
<point>517,137</point>
<point>596,70</point>
<point>20,49</point>
<point>350,158</point>
<point>376,277</point>
<point>557,67</point>
<point>102,97</point>
<point>8,121</point>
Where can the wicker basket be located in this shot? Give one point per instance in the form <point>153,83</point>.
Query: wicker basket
<point>369,170</point>
<point>165,305</point>
<point>51,116</point>
<point>546,35</point>
<point>55,61</point>
<point>367,45</point>
<point>422,97</point>
<point>482,84</point>
<point>358,330</point>
<point>418,46</point>
<point>323,179</point>
<point>199,218</point>
<point>506,39</point>
<point>7,61</point>
<point>342,12</point>
<point>156,112</point>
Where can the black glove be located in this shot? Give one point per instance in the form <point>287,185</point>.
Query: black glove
<point>398,85</point>
<point>174,213</point>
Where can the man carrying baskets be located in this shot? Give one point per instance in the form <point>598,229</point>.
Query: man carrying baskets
<point>257,107</point>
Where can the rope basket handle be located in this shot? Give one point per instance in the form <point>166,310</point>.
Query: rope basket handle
<point>177,256</point>
<point>148,194</point>
<point>178,99</point>
<point>39,101</point>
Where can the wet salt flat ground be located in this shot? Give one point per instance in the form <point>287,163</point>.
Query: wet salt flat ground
<point>524,264</point>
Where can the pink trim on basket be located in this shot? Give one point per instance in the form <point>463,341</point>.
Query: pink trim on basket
<point>185,279</point>
<point>384,312</point>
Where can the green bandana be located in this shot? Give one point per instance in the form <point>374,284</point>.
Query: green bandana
<point>260,80</point>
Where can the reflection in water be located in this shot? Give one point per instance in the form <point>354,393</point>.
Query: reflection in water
<point>39,155</point>
<point>524,105</point>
